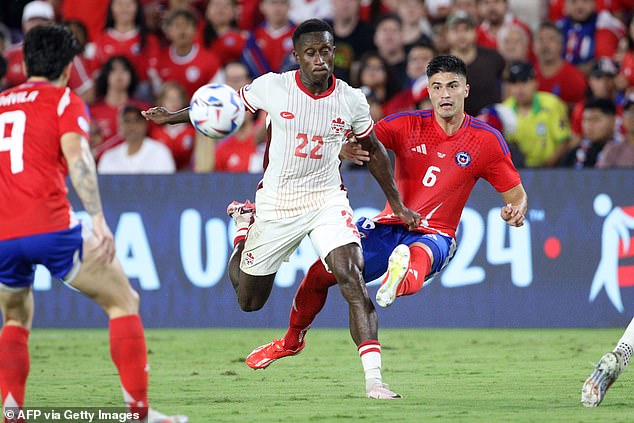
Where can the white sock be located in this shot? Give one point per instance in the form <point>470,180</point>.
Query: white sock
<point>370,353</point>
<point>626,344</point>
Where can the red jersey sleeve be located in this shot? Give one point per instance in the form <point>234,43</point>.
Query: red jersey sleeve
<point>73,114</point>
<point>389,130</point>
<point>500,171</point>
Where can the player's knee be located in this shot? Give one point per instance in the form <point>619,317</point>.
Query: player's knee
<point>249,304</point>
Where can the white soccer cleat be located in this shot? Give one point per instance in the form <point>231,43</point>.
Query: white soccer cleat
<point>604,375</point>
<point>381,391</point>
<point>154,416</point>
<point>241,213</point>
<point>397,267</point>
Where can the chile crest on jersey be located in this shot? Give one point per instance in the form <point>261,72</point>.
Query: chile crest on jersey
<point>463,158</point>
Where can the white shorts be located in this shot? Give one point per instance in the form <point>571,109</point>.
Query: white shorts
<point>271,242</point>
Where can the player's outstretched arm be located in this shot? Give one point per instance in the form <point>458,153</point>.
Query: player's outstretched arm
<point>83,175</point>
<point>161,116</point>
<point>381,168</point>
<point>516,202</point>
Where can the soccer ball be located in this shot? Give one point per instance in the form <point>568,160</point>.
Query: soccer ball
<point>216,110</point>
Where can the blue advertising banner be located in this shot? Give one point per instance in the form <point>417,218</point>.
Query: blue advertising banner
<point>570,265</point>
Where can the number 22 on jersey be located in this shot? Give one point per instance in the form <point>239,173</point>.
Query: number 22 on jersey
<point>12,126</point>
<point>304,150</point>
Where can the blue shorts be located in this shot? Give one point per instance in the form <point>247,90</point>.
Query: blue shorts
<point>378,242</point>
<point>58,251</point>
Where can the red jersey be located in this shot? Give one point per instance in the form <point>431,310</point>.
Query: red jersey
<point>276,46</point>
<point>92,13</point>
<point>435,172</point>
<point>191,71</point>
<point>234,155</point>
<point>569,83</point>
<point>112,43</point>
<point>179,139</point>
<point>627,68</point>
<point>79,81</point>
<point>106,117</point>
<point>33,118</point>
<point>229,46</point>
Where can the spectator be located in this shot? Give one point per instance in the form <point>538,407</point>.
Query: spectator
<point>588,35</point>
<point>438,10</point>
<point>484,66</point>
<point>240,152</point>
<point>220,32</point>
<point>125,34</point>
<point>601,84</point>
<point>495,15</point>
<point>80,80</point>
<point>353,38</point>
<point>621,154</point>
<point>269,46</point>
<point>418,58</point>
<point>138,153</point>
<point>35,13</point>
<point>5,39</point>
<point>301,10</point>
<point>180,137</point>
<point>114,87</point>
<point>598,131</point>
<point>513,44</point>
<point>542,129</point>
<point>388,39</point>
<point>376,77</point>
<point>469,7</point>
<point>91,13</point>
<point>625,78</point>
<point>416,27</point>
<point>554,74</point>
<point>185,62</point>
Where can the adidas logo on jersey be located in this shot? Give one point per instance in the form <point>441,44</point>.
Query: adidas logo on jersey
<point>420,149</point>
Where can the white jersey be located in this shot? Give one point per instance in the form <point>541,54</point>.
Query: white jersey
<point>305,133</point>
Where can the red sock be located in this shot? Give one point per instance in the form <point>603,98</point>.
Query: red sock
<point>127,349</point>
<point>419,267</point>
<point>14,365</point>
<point>309,300</point>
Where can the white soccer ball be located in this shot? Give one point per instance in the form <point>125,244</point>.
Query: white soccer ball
<point>216,110</point>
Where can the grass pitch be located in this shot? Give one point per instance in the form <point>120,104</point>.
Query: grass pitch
<point>445,375</point>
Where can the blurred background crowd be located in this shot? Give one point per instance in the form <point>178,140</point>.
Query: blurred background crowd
<point>556,77</point>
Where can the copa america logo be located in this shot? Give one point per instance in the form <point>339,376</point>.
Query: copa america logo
<point>463,159</point>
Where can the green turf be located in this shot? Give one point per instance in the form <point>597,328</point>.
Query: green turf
<point>445,376</point>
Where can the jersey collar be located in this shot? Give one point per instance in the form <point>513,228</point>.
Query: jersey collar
<point>313,96</point>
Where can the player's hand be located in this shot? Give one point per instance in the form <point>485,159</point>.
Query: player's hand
<point>158,115</point>
<point>409,217</point>
<point>103,248</point>
<point>354,152</point>
<point>512,215</point>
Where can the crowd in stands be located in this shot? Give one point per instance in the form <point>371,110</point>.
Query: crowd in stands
<point>556,77</point>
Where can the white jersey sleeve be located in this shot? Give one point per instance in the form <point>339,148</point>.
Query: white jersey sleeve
<point>362,123</point>
<point>254,95</point>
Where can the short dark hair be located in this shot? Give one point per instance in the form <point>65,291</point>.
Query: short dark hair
<point>312,25</point>
<point>603,105</point>
<point>388,17</point>
<point>101,83</point>
<point>550,25</point>
<point>446,63</point>
<point>181,13</point>
<point>48,49</point>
